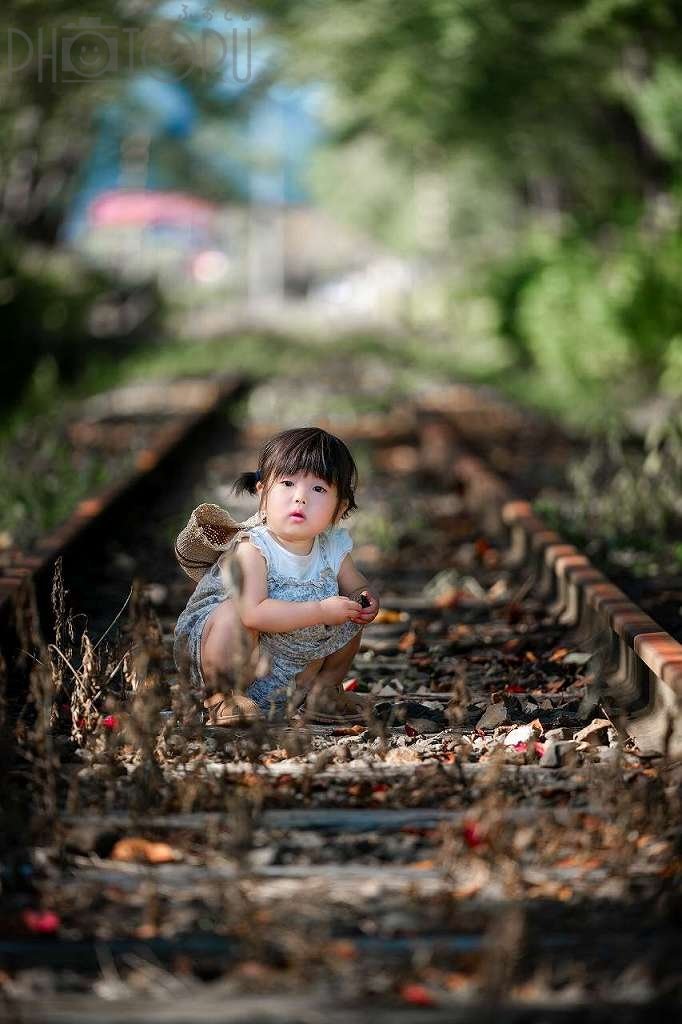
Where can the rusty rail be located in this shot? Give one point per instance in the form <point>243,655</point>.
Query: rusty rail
<point>30,575</point>
<point>639,665</point>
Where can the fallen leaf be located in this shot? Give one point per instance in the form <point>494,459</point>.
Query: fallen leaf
<point>343,949</point>
<point>577,658</point>
<point>389,615</point>
<point>494,715</point>
<point>250,779</point>
<point>671,869</point>
<point>459,632</point>
<point>40,922</point>
<point>468,890</point>
<point>448,599</point>
<point>143,851</point>
<point>497,590</point>
<point>559,654</point>
<point>417,995</point>
<point>580,862</point>
<point>455,981</point>
<point>273,756</point>
<point>252,969</point>
<point>402,755</point>
<point>481,546</point>
<point>521,734</point>
<point>407,640</point>
<point>596,732</point>
<point>351,685</point>
<point>512,614</point>
<point>473,834</point>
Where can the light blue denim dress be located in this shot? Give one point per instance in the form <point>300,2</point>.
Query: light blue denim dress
<point>290,652</point>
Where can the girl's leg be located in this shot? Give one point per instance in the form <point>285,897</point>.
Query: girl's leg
<point>229,651</point>
<point>335,666</point>
<point>230,659</point>
<point>325,694</point>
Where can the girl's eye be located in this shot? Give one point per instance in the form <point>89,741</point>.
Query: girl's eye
<point>317,487</point>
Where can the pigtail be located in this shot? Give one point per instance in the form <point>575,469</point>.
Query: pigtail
<point>246,482</point>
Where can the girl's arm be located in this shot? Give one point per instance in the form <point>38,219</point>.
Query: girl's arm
<point>267,615</point>
<point>352,583</point>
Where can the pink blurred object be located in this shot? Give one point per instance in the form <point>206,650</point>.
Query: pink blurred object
<point>473,834</point>
<point>43,922</point>
<point>122,206</point>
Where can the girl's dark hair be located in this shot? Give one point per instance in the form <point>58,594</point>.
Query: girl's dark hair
<point>305,450</point>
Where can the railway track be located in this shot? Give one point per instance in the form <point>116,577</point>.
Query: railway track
<point>501,841</point>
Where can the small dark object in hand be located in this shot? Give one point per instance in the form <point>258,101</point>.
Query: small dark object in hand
<point>365,601</point>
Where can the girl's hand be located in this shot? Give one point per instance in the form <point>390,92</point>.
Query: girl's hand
<point>337,610</point>
<point>366,615</point>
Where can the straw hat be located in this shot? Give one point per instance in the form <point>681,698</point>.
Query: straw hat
<point>210,530</point>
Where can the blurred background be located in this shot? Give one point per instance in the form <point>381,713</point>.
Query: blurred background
<point>428,192</point>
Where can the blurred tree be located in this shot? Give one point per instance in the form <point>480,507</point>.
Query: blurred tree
<point>73,98</point>
<point>572,107</point>
<point>547,90</point>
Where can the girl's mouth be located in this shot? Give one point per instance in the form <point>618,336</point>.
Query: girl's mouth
<point>296,515</point>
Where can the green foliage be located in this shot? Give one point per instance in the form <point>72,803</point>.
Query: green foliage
<point>380,204</point>
<point>545,90</point>
<point>624,502</point>
<point>506,284</point>
<point>569,113</point>
<point>651,312</point>
<point>566,315</point>
<point>594,315</point>
<point>656,100</point>
<point>50,308</point>
<point>43,477</point>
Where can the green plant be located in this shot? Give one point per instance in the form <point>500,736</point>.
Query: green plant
<point>625,499</point>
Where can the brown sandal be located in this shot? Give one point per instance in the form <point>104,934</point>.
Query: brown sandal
<point>228,709</point>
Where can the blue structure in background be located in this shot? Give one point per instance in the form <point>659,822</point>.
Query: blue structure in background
<point>280,127</point>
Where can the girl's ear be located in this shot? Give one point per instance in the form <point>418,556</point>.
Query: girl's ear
<point>259,486</point>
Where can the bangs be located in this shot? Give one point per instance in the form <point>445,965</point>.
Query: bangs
<point>302,458</point>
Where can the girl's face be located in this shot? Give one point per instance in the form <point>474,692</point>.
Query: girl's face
<point>299,506</point>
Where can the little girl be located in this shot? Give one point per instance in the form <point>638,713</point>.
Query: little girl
<point>299,603</point>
